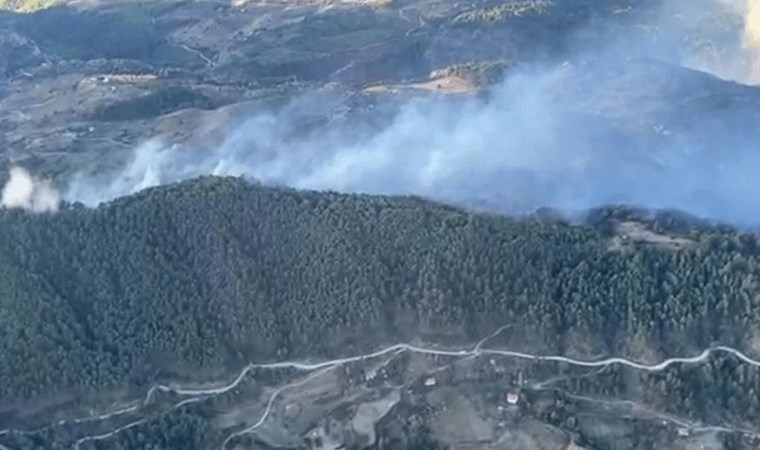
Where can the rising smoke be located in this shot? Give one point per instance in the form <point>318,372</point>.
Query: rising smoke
<point>738,58</point>
<point>752,37</point>
<point>601,125</point>
<point>24,191</point>
<point>752,23</point>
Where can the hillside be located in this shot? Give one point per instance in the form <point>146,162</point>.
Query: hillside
<point>608,90</point>
<point>428,258</point>
<point>203,276</point>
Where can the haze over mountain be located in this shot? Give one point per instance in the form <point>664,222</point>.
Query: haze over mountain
<point>149,300</point>
<point>594,124</point>
<point>603,115</point>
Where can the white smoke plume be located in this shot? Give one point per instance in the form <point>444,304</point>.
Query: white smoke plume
<point>752,23</point>
<point>26,192</point>
<point>739,58</point>
<point>600,126</point>
<point>752,37</point>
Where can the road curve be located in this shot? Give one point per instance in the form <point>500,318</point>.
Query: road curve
<point>304,366</point>
<point>199,394</point>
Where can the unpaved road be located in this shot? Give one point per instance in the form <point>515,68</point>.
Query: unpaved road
<point>198,394</point>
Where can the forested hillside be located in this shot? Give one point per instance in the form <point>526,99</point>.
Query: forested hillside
<point>217,271</point>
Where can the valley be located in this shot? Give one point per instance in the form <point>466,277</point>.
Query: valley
<point>304,225</point>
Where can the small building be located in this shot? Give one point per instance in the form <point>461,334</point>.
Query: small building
<point>513,398</point>
<point>430,382</point>
<point>683,432</point>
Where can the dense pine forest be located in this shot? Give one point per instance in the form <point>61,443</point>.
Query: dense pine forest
<point>214,272</point>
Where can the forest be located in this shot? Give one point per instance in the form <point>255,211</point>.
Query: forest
<point>208,274</point>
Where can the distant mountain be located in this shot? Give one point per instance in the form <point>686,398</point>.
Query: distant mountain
<point>219,312</point>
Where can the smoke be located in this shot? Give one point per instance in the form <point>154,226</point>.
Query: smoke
<point>752,37</point>
<point>23,191</point>
<point>735,55</point>
<point>615,124</point>
<point>150,165</point>
<point>752,23</point>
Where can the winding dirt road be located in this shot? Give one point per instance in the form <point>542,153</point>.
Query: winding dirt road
<point>198,394</point>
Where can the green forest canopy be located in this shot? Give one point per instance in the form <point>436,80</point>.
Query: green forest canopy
<point>214,272</point>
